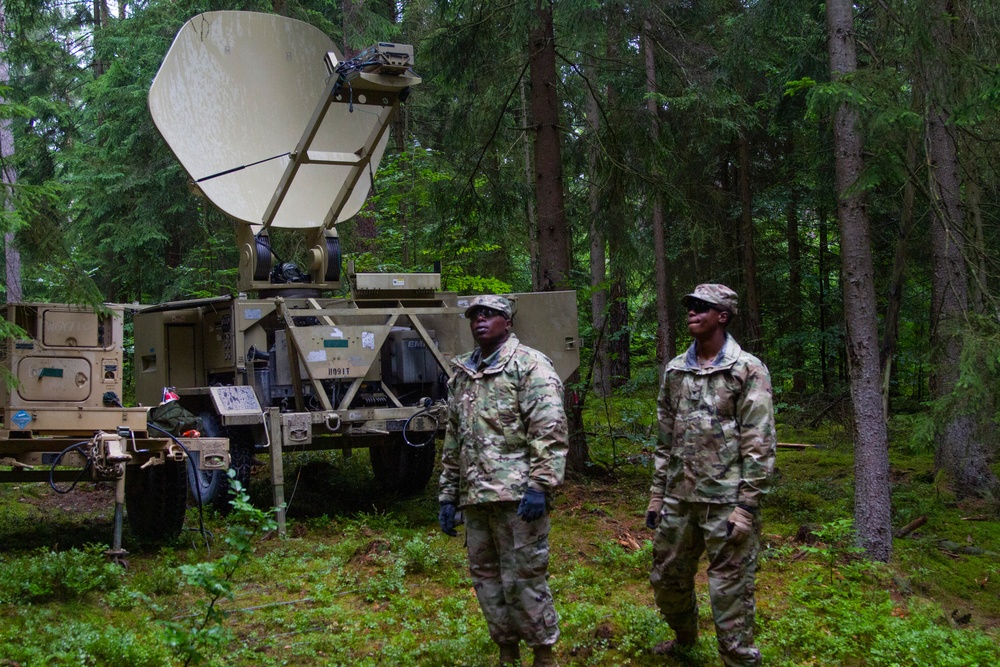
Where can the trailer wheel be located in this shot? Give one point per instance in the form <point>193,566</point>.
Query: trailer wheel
<point>156,500</point>
<point>215,489</point>
<point>211,483</point>
<point>241,459</point>
<point>400,468</point>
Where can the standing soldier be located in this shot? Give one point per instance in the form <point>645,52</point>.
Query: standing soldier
<point>714,459</point>
<point>504,453</point>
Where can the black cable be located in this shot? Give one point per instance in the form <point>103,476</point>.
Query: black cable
<point>427,405</point>
<point>241,167</point>
<point>113,398</point>
<point>270,247</point>
<point>288,503</point>
<point>52,481</point>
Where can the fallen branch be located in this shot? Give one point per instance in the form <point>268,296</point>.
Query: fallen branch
<point>255,607</point>
<point>793,445</point>
<point>912,526</point>
<point>628,542</point>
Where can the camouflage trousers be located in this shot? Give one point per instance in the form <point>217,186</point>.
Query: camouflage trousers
<point>687,530</point>
<point>509,561</point>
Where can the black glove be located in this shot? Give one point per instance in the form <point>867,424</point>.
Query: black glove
<point>532,505</point>
<point>446,517</point>
<point>652,520</point>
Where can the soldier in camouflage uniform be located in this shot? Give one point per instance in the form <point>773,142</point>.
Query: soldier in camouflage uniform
<point>714,459</point>
<point>504,452</point>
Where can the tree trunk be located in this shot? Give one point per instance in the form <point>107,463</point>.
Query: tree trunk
<point>619,345</point>
<point>978,293</point>
<point>665,342</point>
<point>959,452</point>
<point>872,518</point>
<point>966,35</point>
<point>794,299</point>
<point>824,290</point>
<point>101,16</point>
<point>12,257</point>
<point>351,21</point>
<point>529,206</point>
<point>598,260</point>
<point>750,309</point>
<point>553,229</point>
<point>364,222</point>
<point>890,336</point>
<point>619,332</point>
<point>12,262</point>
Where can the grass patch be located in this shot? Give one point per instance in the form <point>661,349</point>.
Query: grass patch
<point>364,580</point>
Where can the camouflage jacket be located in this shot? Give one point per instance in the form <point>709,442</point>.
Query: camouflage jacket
<point>506,430</point>
<point>716,439</point>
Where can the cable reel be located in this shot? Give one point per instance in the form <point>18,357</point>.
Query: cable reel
<point>256,256</point>
<point>324,265</point>
<point>263,258</point>
<point>333,259</point>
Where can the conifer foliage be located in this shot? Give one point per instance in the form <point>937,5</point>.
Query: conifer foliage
<point>628,150</point>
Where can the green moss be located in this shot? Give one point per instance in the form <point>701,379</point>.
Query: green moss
<point>379,584</point>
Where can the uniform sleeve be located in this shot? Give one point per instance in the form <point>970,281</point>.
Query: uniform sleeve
<point>664,439</point>
<point>450,453</point>
<point>547,431</point>
<point>755,412</point>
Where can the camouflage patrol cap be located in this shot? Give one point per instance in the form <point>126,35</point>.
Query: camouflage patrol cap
<point>498,303</point>
<point>715,294</point>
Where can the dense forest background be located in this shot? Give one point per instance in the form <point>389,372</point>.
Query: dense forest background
<point>835,164</point>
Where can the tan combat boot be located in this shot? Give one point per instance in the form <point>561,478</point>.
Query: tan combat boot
<point>544,657</point>
<point>684,642</point>
<point>510,654</point>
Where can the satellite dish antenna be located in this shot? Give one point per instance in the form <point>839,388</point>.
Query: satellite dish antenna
<point>269,122</point>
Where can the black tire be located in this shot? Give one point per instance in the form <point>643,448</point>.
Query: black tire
<point>211,483</point>
<point>241,459</point>
<point>156,500</point>
<point>400,468</point>
<point>215,484</point>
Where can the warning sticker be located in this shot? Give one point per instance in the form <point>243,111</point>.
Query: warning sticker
<point>21,418</point>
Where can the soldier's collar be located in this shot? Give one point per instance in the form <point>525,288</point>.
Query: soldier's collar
<point>474,363</point>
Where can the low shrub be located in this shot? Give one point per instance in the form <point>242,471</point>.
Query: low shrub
<point>57,575</point>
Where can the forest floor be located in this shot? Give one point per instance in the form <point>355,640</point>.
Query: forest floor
<point>365,580</point>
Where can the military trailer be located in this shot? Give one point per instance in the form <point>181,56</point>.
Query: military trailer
<point>63,421</point>
<point>287,140</point>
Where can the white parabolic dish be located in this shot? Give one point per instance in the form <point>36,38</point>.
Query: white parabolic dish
<point>235,92</point>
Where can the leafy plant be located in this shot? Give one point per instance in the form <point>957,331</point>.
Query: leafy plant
<point>837,544</point>
<point>419,555</point>
<point>858,624</point>
<point>192,643</point>
<point>388,581</point>
<point>975,392</point>
<point>80,643</point>
<point>58,575</point>
<point>634,562</point>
